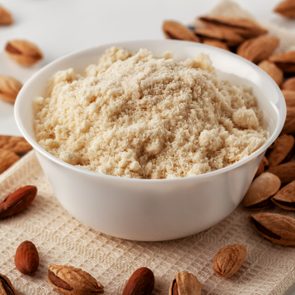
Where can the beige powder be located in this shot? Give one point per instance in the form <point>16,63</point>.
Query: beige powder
<point>137,115</point>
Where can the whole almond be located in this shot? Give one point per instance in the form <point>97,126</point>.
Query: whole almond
<point>6,287</point>
<point>5,17</point>
<point>16,144</point>
<point>261,190</point>
<point>69,280</point>
<point>289,126</point>
<point>259,48</point>
<point>26,258</point>
<point>7,159</point>
<point>185,283</point>
<point>277,228</point>
<point>17,201</point>
<point>289,84</point>
<point>289,98</point>
<point>285,197</point>
<point>275,72</point>
<point>9,88</point>
<point>262,165</point>
<point>215,43</point>
<point>175,30</point>
<point>285,61</point>
<point>286,171</point>
<point>141,282</point>
<point>286,8</point>
<point>229,259</point>
<point>23,52</point>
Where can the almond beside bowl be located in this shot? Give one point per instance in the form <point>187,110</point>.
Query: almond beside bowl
<point>153,209</point>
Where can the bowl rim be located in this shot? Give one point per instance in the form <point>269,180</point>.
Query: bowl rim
<point>77,169</point>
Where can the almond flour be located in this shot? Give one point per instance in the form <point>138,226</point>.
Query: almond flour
<point>141,116</point>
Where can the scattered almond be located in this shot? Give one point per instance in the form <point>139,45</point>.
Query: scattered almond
<point>9,88</point>
<point>277,228</point>
<point>286,171</point>
<point>7,159</point>
<point>285,61</point>
<point>185,283</point>
<point>290,98</point>
<point>262,165</point>
<point>282,147</point>
<point>6,287</point>
<point>289,84</point>
<point>285,198</point>
<point>216,43</point>
<point>71,280</point>
<point>274,71</point>
<point>16,144</point>
<point>289,126</point>
<point>5,17</point>
<point>142,281</point>
<point>259,48</point>
<point>261,189</point>
<point>175,30</point>
<point>23,52</point>
<point>229,260</point>
<point>26,258</point>
<point>18,201</point>
<point>286,8</point>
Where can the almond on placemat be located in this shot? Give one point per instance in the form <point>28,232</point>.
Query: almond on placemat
<point>286,8</point>
<point>185,283</point>
<point>16,144</point>
<point>258,49</point>
<point>7,159</point>
<point>175,30</point>
<point>275,72</point>
<point>286,171</point>
<point>285,61</point>
<point>5,17</point>
<point>289,84</point>
<point>285,197</point>
<point>6,287</point>
<point>9,88</point>
<point>23,52</point>
<point>277,228</point>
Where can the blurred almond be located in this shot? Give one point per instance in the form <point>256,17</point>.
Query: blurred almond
<point>274,71</point>
<point>216,43</point>
<point>175,30</point>
<point>289,84</point>
<point>6,287</point>
<point>289,98</point>
<point>5,17</point>
<point>286,8</point>
<point>258,49</point>
<point>9,88</point>
<point>289,126</point>
<point>23,52</point>
<point>286,171</point>
<point>7,159</point>
<point>285,61</point>
<point>285,198</point>
<point>16,144</point>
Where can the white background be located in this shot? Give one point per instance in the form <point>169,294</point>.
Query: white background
<point>62,26</point>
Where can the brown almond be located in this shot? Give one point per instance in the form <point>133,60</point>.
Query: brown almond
<point>67,279</point>
<point>5,17</point>
<point>286,171</point>
<point>229,259</point>
<point>9,88</point>
<point>185,283</point>
<point>175,30</point>
<point>275,72</point>
<point>289,84</point>
<point>277,228</point>
<point>18,201</point>
<point>289,98</point>
<point>6,287</point>
<point>289,126</point>
<point>7,159</point>
<point>259,48</point>
<point>16,144</point>
<point>286,8</point>
<point>285,197</point>
<point>215,43</point>
<point>261,190</point>
<point>285,61</point>
<point>23,52</point>
<point>242,26</point>
<point>142,281</point>
<point>282,147</point>
<point>26,258</point>
<point>262,165</point>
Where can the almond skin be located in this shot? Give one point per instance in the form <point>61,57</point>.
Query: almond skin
<point>26,258</point>
<point>286,171</point>
<point>286,8</point>
<point>7,159</point>
<point>285,61</point>
<point>275,72</point>
<point>285,197</point>
<point>5,17</point>
<point>9,88</point>
<point>185,283</point>
<point>289,126</point>
<point>289,84</point>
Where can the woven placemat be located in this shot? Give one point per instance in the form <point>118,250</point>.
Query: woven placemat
<point>62,239</point>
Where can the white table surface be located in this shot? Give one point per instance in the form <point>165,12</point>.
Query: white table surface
<point>62,26</point>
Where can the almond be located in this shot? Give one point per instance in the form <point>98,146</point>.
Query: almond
<point>259,48</point>
<point>18,201</point>
<point>286,171</point>
<point>282,147</point>
<point>286,8</point>
<point>7,159</point>
<point>5,17</point>
<point>289,84</point>
<point>285,198</point>
<point>185,283</point>
<point>262,165</point>
<point>142,281</point>
<point>23,52</point>
<point>289,98</point>
<point>9,88</point>
<point>175,30</point>
<point>261,190</point>
<point>215,43</point>
<point>277,228</point>
<point>275,72</point>
<point>67,279</point>
<point>16,144</point>
<point>6,287</point>
<point>285,61</point>
<point>26,258</point>
<point>289,126</point>
<point>229,259</point>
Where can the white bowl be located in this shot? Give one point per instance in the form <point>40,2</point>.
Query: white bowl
<point>144,209</point>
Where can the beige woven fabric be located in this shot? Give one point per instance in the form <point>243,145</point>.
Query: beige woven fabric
<point>62,239</point>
